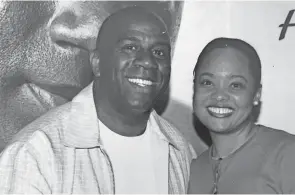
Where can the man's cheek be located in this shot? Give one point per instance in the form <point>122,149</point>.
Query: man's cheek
<point>164,67</point>
<point>166,73</point>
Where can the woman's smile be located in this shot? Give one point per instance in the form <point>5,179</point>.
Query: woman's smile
<point>220,112</point>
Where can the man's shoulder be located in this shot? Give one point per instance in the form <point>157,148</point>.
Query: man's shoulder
<point>172,131</point>
<point>49,125</point>
<point>178,138</point>
<point>37,149</point>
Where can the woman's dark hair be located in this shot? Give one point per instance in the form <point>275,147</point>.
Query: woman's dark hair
<point>238,44</point>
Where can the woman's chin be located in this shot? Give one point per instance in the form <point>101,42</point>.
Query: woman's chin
<point>219,129</point>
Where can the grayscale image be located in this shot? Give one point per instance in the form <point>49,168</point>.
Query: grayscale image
<point>147,97</point>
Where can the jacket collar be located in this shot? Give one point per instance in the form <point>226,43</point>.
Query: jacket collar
<point>82,125</point>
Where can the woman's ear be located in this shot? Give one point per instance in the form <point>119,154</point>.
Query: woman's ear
<point>94,61</point>
<point>257,96</point>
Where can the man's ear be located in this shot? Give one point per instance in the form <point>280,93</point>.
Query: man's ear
<point>94,61</point>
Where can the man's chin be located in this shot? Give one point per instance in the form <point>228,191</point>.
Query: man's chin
<point>141,108</point>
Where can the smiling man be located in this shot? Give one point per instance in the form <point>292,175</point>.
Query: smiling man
<point>108,139</point>
<point>44,59</point>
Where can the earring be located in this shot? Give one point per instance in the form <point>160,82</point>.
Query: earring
<point>255,103</point>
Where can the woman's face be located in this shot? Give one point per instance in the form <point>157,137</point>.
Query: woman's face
<point>224,90</point>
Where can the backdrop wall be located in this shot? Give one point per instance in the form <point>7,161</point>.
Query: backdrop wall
<point>258,23</point>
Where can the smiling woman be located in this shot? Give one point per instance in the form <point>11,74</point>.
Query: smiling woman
<point>44,60</point>
<point>245,158</point>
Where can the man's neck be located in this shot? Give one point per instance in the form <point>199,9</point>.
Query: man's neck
<point>127,123</point>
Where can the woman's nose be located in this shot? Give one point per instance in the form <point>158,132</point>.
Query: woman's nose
<point>220,95</point>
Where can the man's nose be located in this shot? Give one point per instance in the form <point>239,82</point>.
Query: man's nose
<point>145,59</point>
<point>74,27</point>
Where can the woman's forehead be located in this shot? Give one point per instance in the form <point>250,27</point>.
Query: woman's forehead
<point>226,62</point>
<point>229,58</point>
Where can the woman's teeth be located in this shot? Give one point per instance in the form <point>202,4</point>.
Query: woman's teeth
<point>141,82</point>
<point>220,110</point>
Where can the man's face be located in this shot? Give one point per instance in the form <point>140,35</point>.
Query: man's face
<point>44,60</point>
<point>136,67</point>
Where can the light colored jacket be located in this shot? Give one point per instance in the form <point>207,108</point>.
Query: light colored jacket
<point>61,152</point>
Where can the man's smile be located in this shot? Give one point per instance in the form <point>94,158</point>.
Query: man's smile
<point>141,82</point>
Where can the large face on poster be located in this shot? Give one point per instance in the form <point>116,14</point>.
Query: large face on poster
<point>44,59</point>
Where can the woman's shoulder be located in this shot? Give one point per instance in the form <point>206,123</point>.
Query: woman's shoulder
<point>281,158</point>
<point>275,135</point>
<point>202,159</point>
<point>199,173</point>
<point>274,139</point>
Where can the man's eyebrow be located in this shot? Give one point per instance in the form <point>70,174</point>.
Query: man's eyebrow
<point>159,43</point>
<point>135,39</point>
<point>163,44</point>
<point>125,37</point>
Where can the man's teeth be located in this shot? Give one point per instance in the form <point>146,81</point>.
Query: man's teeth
<point>220,110</point>
<point>141,82</point>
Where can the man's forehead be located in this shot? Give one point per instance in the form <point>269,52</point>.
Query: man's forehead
<point>139,27</point>
<point>141,35</point>
<point>156,28</point>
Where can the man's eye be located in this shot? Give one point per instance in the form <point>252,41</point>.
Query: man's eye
<point>159,53</point>
<point>206,83</point>
<point>130,47</point>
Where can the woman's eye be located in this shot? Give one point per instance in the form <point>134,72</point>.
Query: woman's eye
<point>237,85</point>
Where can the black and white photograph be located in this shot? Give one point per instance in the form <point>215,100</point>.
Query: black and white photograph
<point>147,97</point>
